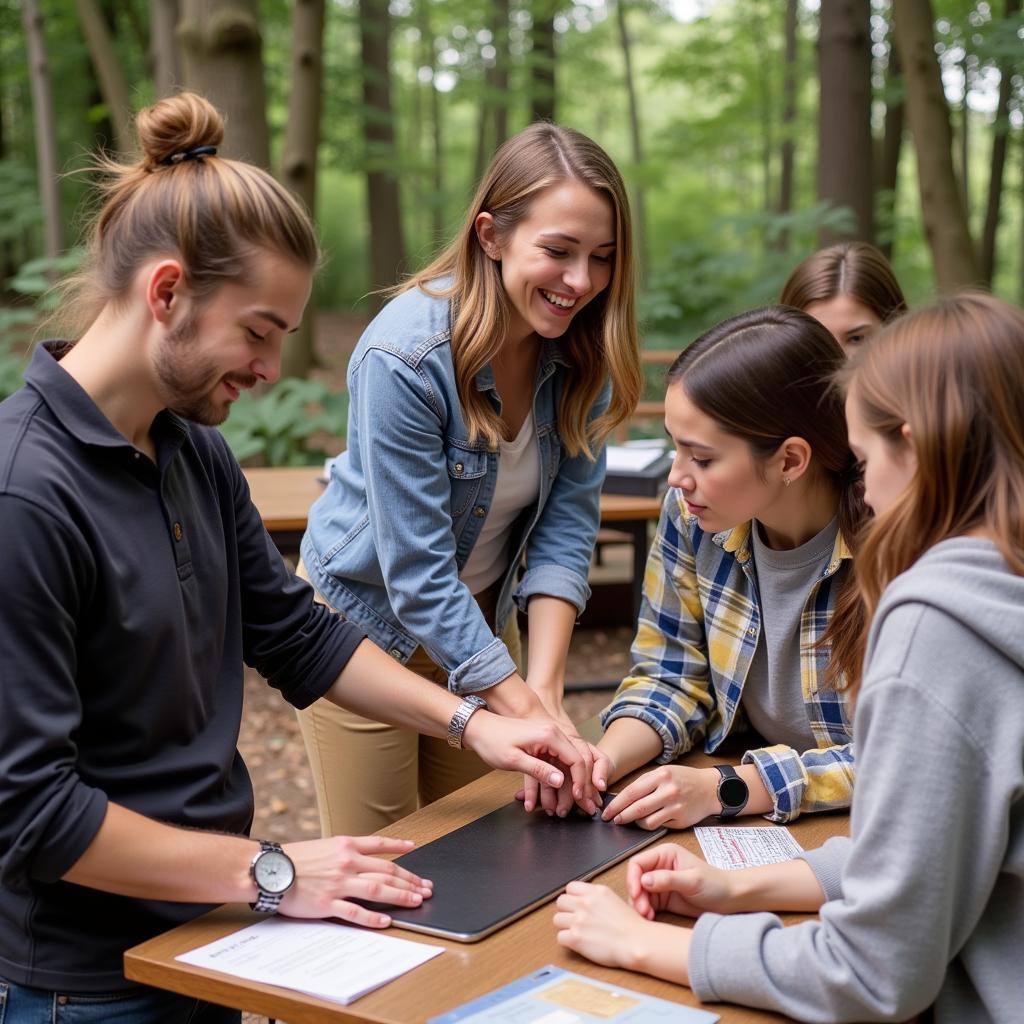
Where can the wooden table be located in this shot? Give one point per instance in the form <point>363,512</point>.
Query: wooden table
<point>464,971</point>
<point>283,496</point>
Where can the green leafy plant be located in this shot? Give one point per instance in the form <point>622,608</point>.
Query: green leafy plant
<point>288,425</point>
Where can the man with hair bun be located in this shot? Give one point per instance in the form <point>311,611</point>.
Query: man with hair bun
<point>143,579</point>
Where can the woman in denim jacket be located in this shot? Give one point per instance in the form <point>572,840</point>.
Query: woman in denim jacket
<point>480,398</point>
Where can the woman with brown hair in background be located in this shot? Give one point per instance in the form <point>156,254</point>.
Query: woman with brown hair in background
<point>848,287</point>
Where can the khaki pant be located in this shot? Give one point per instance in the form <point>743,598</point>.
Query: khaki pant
<point>368,775</point>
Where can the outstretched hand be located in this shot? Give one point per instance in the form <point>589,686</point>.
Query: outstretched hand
<point>539,749</point>
<point>330,872</point>
<point>671,796</point>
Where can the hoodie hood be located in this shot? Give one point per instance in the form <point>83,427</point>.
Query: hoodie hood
<point>968,579</point>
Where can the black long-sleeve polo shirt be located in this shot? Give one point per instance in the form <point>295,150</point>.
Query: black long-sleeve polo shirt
<point>131,595</point>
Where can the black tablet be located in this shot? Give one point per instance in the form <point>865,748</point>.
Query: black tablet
<point>503,865</point>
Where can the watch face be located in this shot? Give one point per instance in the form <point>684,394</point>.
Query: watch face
<point>273,871</point>
<point>732,792</point>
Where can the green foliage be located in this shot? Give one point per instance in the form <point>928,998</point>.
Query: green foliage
<point>280,427</point>
<point>732,267</point>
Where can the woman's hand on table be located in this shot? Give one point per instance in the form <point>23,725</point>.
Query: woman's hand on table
<point>330,872</point>
<point>596,923</point>
<point>559,801</point>
<point>538,748</point>
<point>672,796</point>
<point>667,877</point>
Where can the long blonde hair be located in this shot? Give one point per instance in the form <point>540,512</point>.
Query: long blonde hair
<point>954,372</point>
<point>211,212</point>
<point>601,341</point>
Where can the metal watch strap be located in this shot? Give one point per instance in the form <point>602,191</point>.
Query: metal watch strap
<point>266,902</point>
<point>463,713</point>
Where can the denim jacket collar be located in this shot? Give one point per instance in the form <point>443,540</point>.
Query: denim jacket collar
<point>551,354</point>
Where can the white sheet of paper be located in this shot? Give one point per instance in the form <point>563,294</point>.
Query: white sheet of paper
<point>740,847</point>
<point>622,459</point>
<point>332,961</point>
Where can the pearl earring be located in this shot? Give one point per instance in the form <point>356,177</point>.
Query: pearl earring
<point>786,481</point>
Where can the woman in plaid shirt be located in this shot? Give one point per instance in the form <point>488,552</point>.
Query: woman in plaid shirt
<point>750,618</point>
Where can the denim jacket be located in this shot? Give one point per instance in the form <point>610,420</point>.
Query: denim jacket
<point>407,500</point>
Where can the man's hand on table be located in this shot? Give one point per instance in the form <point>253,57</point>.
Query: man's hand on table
<point>330,872</point>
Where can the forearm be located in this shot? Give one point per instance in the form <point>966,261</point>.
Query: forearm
<point>789,886</point>
<point>132,855</point>
<point>663,952</point>
<point>397,696</point>
<point>551,623</point>
<point>629,743</point>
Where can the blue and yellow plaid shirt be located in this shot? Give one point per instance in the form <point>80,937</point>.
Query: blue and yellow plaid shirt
<point>696,636</point>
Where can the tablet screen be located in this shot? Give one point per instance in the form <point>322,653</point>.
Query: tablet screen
<point>503,865</point>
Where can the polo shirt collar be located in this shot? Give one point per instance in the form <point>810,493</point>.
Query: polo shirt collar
<point>71,404</point>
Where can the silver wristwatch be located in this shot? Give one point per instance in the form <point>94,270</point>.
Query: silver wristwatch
<point>463,713</point>
<point>274,874</point>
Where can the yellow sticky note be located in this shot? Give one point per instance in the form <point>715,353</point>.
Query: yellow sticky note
<point>585,998</point>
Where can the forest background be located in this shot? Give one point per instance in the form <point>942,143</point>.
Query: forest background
<point>748,131</point>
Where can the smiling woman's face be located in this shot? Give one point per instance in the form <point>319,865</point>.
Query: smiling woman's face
<point>559,257</point>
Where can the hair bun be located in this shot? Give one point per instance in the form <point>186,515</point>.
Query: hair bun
<point>176,124</point>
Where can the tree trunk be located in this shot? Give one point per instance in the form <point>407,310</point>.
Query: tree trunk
<point>636,140</point>
<point>965,142</point>
<point>428,59</point>
<point>942,211</point>
<point>301,143</point>
<point>1001,129</point>
<point>844,114</point>
<point>387,248</point>
<point>222,58</point>
<point>788,153</point>
<point>108,70</point>
<point>45,128</point>
<point>499,73</point>
<point>542,61</point>
<point>887,172</point>
<point>163,46</point>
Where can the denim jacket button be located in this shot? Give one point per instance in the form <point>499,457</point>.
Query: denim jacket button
<point>479,511</point>
<point>395,653</point>
<point>459,469</point>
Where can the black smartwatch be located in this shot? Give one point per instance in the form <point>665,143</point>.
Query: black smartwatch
<point>732,791</point>
<point>274,874</point>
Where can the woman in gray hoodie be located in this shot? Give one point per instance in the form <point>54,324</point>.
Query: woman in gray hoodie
<point>923,906</point>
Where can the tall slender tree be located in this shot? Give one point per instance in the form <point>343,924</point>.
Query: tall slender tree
<point>1001,129</point>
<point>942,209</point>
<point>301,145</point>
<point>788,153</point>
<point>542,61</point>
<point>887,169</point>
<point>45,127</point>
<point>844,113</point>
<point>163,45</point>
<point>222,58</point>
<point>635,138</point>
<point>113,85</point>
<point>387,246</point>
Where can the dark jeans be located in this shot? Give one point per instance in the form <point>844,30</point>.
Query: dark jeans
<point>22,1005</point>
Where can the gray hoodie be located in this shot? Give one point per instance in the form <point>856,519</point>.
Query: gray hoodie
<point>927,897</point>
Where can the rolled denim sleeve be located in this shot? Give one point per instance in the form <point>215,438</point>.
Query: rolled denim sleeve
<point>401,446</point>
<point>559,550</point>
<point>669,687</point>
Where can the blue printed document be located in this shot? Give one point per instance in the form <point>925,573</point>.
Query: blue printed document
<point>554,996</point>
